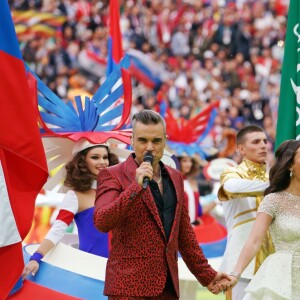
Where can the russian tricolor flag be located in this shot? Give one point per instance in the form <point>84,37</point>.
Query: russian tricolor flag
<point>23,168</point>
<point>115,48</point>
<point>146,70</point>
<point>115,54</point>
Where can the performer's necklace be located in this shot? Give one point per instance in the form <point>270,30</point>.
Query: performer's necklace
<point>159,180</point>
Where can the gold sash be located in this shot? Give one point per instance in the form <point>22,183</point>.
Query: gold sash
<point>267,246</point>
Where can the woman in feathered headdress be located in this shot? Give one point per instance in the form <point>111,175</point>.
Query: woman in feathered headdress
<point>80,136</point>
<point>78,203</point>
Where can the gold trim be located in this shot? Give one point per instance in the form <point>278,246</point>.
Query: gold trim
<point>245,212</point>
<point>228,295</point>
<point>243,222</point>
<point>267,246</point>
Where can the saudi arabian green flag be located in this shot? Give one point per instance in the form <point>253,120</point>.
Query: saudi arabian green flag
<point>288,123</point>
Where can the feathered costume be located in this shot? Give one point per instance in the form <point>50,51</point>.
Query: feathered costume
<point>185,138</point>
<point>99,120</point>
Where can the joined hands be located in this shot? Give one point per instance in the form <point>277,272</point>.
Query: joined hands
<point>222,283</point>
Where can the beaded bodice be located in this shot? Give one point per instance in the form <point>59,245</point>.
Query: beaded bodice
<point>285,228</point>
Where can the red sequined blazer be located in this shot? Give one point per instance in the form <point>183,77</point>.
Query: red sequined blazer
<point>140,254</point>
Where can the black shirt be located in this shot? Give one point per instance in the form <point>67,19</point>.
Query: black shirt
<point>166,203</point>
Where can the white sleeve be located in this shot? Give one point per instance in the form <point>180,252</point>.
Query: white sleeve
<point>68,208</point>
<point>239,185</point>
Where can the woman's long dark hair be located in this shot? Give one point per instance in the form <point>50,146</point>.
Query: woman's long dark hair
<point>78,176</point>
<point>280,172</point>
<point>195,166</point>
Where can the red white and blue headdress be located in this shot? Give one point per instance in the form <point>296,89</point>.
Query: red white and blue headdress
<point>100,120</point>
<point>185,137</point>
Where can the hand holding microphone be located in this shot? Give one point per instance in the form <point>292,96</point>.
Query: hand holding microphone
<point>148,157</point>
<point>144,172</point>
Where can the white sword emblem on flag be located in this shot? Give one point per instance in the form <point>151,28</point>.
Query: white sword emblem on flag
<point>296,88</point>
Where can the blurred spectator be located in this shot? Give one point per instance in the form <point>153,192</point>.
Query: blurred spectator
<point>227,51</point>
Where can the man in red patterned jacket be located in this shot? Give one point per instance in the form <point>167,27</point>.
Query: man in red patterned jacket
<point>149,225</point>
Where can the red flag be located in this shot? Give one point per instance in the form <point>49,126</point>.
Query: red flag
<point>115,48</point>
<point>23,168</point>
<point>115,54</point>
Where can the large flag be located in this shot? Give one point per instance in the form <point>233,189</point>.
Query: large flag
<point>288,123</point>
<point>23,168</point>
<point>115,48</point>
<point>115,54</point>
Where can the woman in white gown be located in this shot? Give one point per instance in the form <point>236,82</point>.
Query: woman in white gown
<point>279,275</point>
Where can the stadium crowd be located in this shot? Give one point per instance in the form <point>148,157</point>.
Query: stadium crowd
<point>206,51</point>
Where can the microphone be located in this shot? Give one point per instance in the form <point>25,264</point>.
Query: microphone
<point>148,157</point>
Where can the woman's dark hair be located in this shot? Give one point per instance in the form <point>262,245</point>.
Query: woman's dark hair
<point>195,166</point>
<point>78,176</point>
<point>280,172</point>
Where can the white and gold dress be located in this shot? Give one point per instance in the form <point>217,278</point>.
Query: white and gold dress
<point>279,275</point>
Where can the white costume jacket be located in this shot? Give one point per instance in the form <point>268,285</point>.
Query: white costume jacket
<point>241,192</point>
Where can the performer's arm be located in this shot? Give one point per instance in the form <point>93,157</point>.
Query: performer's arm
<point>190,251</point>
<point>68,208</point>
<point>233,186</point>
<point>112,202</point>
<point>244,186</point>
<point>195,259</point>
<point>253,244</point>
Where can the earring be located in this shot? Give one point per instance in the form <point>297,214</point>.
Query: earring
<point>291,173</point>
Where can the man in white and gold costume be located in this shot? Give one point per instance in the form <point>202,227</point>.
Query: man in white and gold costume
<point>241,191</point>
